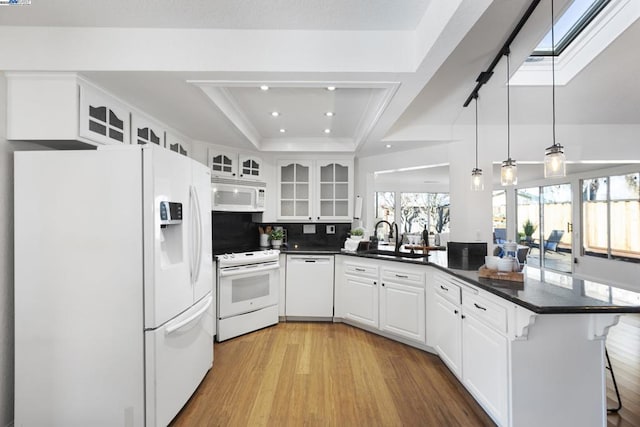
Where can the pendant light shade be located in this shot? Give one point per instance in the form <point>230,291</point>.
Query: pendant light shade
<point>477,180</point>
<point>555,165</point>
<point>509,170</point>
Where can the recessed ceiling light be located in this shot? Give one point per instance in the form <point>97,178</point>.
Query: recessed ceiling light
<point>264,87</point>
<point>327,131</point>
<point>329,114</point>
<point>275,113</point>
<point>331,88</point>
<point>388,145</point>
<point>283,130</point>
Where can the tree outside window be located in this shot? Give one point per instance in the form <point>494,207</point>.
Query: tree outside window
<point>424,209</point>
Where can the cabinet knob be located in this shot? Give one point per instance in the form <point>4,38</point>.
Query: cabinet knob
<point>463,316</point>
<point>375,283</point>
<point>455,311</point>
<point>233,174</point>
<point>309,218</point>
<point>318,217</point>
<point>382,284</point>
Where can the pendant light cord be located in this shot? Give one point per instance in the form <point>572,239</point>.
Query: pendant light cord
<point>476,97</point>
<point>508,113</point>
<point>553,74</point>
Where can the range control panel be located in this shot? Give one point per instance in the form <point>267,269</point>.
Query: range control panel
<point>170,213</point>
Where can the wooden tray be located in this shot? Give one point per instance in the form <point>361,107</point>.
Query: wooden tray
<point>512,276</point>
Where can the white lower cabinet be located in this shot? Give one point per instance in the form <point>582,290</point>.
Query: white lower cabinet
<point>447,334</point>
<point>387,296</point>
<point>485,366</point>
<point>360,300</point>
<point>402,302</point>
<point>468,329</point>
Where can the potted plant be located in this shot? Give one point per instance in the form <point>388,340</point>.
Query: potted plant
<point>276,237</point>
<point>357,234</point>
<point>528,229</point>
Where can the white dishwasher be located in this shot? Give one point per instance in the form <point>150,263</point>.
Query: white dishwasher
<point>309,286</point>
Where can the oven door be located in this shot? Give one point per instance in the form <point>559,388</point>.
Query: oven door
<point>246,288</point>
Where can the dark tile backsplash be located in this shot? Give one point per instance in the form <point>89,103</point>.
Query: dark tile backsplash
<point>236,232</point>
<point>320,239</point>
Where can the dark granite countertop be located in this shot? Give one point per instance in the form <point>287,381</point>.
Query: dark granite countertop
<point>542,292</point>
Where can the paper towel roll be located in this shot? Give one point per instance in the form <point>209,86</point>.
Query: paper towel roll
<point>357,211</point>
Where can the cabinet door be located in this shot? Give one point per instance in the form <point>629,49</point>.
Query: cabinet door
<point>334,189</point>
<point>102,119</point>
<point>484,366</point>
<point>250,167</point>
<point>294,190</point>
<point>179,145</point>
<point>402,310</point>
<point>360,300</point>
<point>222,163</point>
<point>145,131</point>
<point>448,334</point>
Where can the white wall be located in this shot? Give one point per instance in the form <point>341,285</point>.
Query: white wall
<point>6,265</point>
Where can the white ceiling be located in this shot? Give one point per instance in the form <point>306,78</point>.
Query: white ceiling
<point>402,69</point>
<point>339,15</point>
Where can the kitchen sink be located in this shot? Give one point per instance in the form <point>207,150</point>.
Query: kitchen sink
<point>393,254</point>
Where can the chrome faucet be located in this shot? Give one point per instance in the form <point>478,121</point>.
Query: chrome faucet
<point>392,226</point>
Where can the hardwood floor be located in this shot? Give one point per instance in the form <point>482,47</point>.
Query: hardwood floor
<point>623,344</point>
<point>324,374</point>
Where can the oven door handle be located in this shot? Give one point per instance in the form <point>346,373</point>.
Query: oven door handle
<point>245,269</point>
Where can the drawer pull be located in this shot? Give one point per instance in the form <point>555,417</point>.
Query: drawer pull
<point>444,288</point>
<point>360,269</point>
<point>479,307</point>
<point>402,276</point>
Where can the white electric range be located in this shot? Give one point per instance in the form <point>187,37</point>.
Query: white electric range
<point>248,284</point>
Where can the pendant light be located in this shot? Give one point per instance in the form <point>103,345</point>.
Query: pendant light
<point>477,180</point>
<point>509,170</point>
<point>555,165</point>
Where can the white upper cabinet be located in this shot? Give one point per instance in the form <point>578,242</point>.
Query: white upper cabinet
<point>103,119</point>
<point>146,131</point>
<point>61,108</point>
<point>315,190</point>
<point>178,144</point>
<point>294,190</point>
<point>226,164</point>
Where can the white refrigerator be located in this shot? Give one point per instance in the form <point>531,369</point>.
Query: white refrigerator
<point>113,285</point>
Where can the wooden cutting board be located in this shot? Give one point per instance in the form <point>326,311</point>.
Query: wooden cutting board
<point>512,276</point>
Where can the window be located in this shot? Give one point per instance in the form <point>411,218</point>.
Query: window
<point>385,209</point>
<point>575,19</point>
<point>420,209</point>
<point>611,217</point>
<point>499,202</point>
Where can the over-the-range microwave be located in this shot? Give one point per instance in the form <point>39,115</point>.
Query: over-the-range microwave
<point>232,195</point>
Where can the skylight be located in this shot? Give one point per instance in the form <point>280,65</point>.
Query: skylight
<point>575,19</point>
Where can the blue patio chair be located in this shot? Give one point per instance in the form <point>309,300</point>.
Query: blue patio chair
<point>551,243</point>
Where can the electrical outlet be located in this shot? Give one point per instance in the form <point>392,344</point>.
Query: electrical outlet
<point>331,229</point>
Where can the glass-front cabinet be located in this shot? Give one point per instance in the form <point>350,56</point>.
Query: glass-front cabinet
<point>103,119</point>
<point>315,190</point>
<point>145,131</point>
<point>335,186</point>
<point>294,190</point>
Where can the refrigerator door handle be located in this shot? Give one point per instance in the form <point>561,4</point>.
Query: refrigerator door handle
<point>171,328</point>
<point>198,236</point>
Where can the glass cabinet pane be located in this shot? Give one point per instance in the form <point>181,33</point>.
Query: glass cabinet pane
<point>286,208</point>
<point>342,191</point>
<point>342,208</point>
<point>302,208</point>
<point>326,191</point>
<point>326,208</point>
<point>286,191</point>
<point>342,173</point>
<point>326,173</point>
<point>302,191</point>
<point>302,173</point>
<point>287,173</point>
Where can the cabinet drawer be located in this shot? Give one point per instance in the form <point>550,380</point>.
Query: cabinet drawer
<point>450,287</point>
<point>449,291</point>
<point>361,270</point>
<point>492,314</point>
<point>413,278</point>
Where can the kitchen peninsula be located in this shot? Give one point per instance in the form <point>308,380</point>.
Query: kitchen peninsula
<point>531,353</point>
